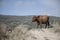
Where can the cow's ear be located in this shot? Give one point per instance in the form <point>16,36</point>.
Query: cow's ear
<point>38,16</point>
<point>34,16</point>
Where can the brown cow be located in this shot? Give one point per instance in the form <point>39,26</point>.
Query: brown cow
<point>41,20</point>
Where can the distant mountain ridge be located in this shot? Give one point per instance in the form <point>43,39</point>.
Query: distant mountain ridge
<point>15,20</point>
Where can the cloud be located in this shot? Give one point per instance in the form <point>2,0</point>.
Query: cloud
<point>29,4</point>
<point>24,6</point>
<point>55,12</point>
<point>18,3</point>
<point>24,3</point>
<point>30,7</point>
<point>45,13</point>
<point>4,3</point>
<point>49,3</point>
<point>35,3</point>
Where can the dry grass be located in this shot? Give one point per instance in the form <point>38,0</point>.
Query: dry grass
<point>21,32</point>
<point>56,27</point>
<point>3,31</point>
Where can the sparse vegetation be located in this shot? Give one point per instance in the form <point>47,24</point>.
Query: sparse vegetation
<point>27,29</point>
<point>3,31</point>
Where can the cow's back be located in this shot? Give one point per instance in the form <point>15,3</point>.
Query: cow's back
<point>42,18</point>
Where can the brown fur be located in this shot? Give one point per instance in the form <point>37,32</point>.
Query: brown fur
<point>41,20</point>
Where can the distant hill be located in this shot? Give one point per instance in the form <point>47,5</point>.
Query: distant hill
<point>16,20</point>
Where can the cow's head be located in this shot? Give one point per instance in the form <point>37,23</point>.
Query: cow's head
<point>34,18</point>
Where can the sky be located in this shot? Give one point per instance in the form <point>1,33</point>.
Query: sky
<point>30,7</point>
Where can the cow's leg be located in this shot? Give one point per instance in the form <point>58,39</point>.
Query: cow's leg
<point>37,25</point>
<point>48,24</point>
<point>4,38</point>
<point>40,25</point>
